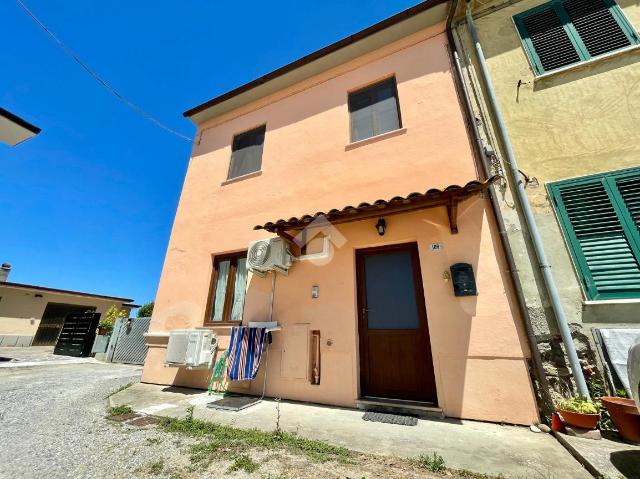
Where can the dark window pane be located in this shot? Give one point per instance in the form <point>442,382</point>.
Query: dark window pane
<point>246,156</point>
<point>374,110</point>
<point>391,300</point>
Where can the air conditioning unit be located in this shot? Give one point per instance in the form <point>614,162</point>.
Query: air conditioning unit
<point>269,255</point>
<point>190,348</point>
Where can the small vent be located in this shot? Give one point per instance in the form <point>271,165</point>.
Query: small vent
<point>550,40</point>
<point>599,31</point>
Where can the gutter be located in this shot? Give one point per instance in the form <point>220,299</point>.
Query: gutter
<point>538,369</point>
<point>534,234</point>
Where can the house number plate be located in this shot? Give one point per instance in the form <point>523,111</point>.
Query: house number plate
<point>435,247</point>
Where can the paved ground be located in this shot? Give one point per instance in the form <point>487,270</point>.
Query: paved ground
<point>609,457</point>
<point>52,424</point>
<point>471,445</point>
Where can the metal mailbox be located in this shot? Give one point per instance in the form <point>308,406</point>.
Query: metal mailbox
<point>463,279</point>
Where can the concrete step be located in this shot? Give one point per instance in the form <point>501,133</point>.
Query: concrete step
<point>398,406</point>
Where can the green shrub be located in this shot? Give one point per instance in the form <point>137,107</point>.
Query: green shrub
<point>579,405</point>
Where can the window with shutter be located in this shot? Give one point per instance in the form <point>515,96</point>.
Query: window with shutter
<point>374,110</point>
<point>564,32</point>
<point>246,152</point>
<point>600,217</point>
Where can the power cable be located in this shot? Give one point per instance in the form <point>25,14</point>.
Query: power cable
<point>100,80</point>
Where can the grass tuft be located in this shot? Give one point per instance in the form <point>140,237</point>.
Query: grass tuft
<point>244,463</point>
<point>432,463</point>
<point>229,439</point>
<point>119,410</point>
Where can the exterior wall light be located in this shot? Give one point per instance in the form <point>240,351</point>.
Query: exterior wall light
<point>381,226</point>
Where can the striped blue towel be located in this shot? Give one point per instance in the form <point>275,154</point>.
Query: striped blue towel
<point>245,352</point>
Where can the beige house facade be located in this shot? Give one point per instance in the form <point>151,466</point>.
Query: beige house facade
<point>570,105</point>
<point>29,312</point>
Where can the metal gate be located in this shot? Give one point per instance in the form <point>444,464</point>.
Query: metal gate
<point>52,320</point>
<point>130,343</point>
<point>77,334</point>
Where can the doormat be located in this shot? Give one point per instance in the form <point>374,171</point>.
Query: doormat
<point>390,418</point>
<point>233,403</point>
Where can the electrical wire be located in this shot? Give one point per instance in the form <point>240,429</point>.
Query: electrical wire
<point>100,80</point>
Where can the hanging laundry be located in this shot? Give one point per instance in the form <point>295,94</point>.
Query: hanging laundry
<point>245,352</point>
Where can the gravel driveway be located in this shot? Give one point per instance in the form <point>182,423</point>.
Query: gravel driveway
<point>52,425</point>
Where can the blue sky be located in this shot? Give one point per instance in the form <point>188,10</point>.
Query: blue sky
<point>89,203</point>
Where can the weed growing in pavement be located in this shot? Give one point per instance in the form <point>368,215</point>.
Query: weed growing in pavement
<point>432,463</point>
<point>119,410</point>
<point>189,416</point>
<point>278,430</point>
<point>244,463</point>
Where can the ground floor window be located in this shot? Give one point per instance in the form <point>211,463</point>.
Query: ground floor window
<point>600,218</point>
<point>228,288</point>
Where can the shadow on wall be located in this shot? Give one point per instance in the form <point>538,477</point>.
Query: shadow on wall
<point>470,323</point>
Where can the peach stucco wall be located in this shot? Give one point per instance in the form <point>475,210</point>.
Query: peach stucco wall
<point>479,350</point>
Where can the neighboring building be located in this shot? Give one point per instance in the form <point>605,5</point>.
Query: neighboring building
<point>33,315</point>
<point>566,75</point>
<point>353,130</point>
<point>14,130</point>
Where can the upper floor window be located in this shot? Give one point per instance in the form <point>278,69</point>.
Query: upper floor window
<point>374,110</point>
<point>246,152</point>
<point>228,288</point>
<point>600,217</point>
<point>564,32</point>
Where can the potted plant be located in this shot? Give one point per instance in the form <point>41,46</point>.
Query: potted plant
<point>579,412</point>
<point>625,416</point>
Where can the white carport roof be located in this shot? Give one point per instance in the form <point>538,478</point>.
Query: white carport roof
<point>14,130</point>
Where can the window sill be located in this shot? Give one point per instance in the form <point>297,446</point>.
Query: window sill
<point>611,311</point>
<point>240,178</point>
<point>577,66</point>
<point>373,139</point>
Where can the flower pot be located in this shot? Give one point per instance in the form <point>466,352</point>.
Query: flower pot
<point>577,419</point>
<point>102,331</point>
<point>625,416</point>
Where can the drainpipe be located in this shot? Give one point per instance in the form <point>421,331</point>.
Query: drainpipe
<point>538,368</point>
<point>512,168</point>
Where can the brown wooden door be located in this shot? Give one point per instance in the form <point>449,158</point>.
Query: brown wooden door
<point>395,351</point>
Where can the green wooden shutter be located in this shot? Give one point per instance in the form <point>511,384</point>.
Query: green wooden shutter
<point>546,38</point>
<point>563,32</point>
<point>599,216</point>
<point>598,28</point>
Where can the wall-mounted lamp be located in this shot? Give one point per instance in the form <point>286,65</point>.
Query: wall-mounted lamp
<point>381,226</point>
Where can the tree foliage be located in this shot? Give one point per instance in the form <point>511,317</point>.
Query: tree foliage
<point>146,310</point>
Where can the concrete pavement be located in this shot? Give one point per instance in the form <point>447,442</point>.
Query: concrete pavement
<point>476,446</point>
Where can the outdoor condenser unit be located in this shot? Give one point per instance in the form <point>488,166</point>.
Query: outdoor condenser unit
<point>269,255</point>
<point>190,348</point>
